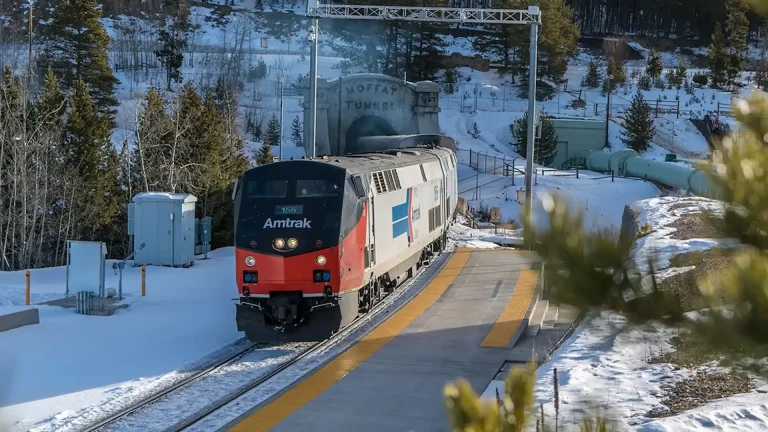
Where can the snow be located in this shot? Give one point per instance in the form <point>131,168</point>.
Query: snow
<point>70,365</point>
<point>658,245</point>
<point>604,363</point>
<point>69,362</point>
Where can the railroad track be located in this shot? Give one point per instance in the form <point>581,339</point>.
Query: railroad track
<point>176,386</point>
<point>232,359</point>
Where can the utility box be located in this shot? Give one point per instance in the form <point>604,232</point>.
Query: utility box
<point>165,223</point>
<point>202,235</point>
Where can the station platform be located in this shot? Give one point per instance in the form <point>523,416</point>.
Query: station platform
<point>464,323</point>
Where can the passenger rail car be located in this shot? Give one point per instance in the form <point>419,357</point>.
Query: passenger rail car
<point>319,242</point>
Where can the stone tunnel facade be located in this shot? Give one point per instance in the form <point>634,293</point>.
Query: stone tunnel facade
<point>369,104</point>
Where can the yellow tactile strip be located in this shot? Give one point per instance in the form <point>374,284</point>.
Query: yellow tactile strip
<point>513,314</point>
<point>311,387</point>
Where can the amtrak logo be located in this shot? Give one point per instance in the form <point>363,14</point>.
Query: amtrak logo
<point>288,223</point>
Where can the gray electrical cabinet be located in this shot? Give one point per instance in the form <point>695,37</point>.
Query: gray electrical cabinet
<point>165,224</point>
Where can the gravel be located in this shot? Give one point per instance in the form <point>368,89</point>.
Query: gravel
<point>699,389</point>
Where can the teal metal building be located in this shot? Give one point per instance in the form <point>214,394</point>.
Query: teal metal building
<point>576,137</point>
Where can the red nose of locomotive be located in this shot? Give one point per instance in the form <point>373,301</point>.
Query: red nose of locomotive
<point>312,273</point>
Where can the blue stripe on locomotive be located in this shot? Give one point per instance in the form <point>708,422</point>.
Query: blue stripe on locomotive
<point>400,216</point>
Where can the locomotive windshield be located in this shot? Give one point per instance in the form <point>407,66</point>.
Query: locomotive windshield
<point>301,200</point>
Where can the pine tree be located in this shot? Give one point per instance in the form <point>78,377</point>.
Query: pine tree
<point>737,30</point>
<point>272,134</point>
<point>474,131</point>
<point>171,53</point>
<point>617,71</point>
<point>545,148</point>
<point>654,67</point>
<point>51,104</point>
<point>593,76</point>
<point>450,79</point>
<point>296,133</point>
<point>504,44</point>
<point>76,44</point>
<point>264,154</point>
<point>718,59</point>
<point>154,140</point>
<point>557,43</point>
<point>89,156</point>
<point>638,124</point>
<point>427,48</point>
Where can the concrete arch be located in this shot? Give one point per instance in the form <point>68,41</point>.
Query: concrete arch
<point>408,108</point>
<point>367,125</point>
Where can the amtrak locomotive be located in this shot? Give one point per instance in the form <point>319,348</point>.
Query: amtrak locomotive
<point>319,242</point>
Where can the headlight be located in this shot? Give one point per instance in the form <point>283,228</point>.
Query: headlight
<point>320,260</point>
<point>250,261</point>
<point>279,243</point>
<point>292,243</point>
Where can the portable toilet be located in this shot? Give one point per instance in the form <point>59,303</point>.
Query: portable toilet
<point>165,224</point>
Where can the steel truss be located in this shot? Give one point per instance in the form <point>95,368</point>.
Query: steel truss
<point>428,14</point>
<point>530,16</point>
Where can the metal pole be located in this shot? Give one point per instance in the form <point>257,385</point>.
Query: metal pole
<point>531,127</point>
<point>311,145</point>
<point>120,283</point>
<point>608,108</point>
<point>282,78</point>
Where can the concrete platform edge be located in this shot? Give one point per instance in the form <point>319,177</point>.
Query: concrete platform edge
<point>432,272</point>
<point>19,319</point>
<point>536,296</point>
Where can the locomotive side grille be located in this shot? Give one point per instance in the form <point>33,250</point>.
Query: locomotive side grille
<point>397,179</point>
<point>390,181</point>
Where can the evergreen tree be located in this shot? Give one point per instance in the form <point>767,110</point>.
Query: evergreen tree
<point>654,67</point>
<point>557,43</point>
<point>272,134</point>
<point>718,59</point>
<point>296,133</point>
<point>76,45</point>
<point>617,71</point>
<point>544,148</point>
<point>593,76</point>
<point>638,124</point>
<point>682,71</point>
<point>504,44</point>
<point>427,48</point>
<point>264,154</point>
<point>171,53</point>
<point>51,102</point>
<point>450,80</point>
<point>474,131</point>
<point>737,29</point>
<point>153,150</point>
<point>89,156</point>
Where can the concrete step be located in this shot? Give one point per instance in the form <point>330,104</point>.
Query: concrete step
<point>550,319</point>
<point>537,318</point>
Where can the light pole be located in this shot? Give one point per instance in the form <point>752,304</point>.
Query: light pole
<point>282,83</point>
<point>312,126</point>
<point>532,119</point>
<point>608,108</point>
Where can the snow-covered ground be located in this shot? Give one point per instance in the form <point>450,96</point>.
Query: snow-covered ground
<point>52,371</point>
<point>69,361</point>
<point>605,363</point>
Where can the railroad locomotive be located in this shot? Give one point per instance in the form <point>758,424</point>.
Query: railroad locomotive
<point>318,242</point>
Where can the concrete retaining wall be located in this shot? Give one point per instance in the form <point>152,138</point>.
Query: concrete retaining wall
<point>19,319</point>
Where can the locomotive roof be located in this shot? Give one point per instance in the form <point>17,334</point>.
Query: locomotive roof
<point>370,162</point>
